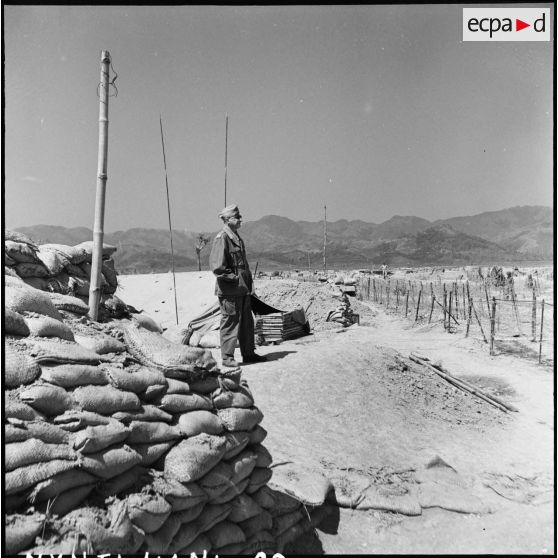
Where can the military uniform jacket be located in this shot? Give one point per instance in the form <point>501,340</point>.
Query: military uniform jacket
<point>229,264</point>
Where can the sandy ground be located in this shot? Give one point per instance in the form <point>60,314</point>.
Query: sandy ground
<point>349,399</point>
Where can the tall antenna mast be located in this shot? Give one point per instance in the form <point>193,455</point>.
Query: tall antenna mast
<point>98,228</point>
<point>325,237</point>
<point>226,148</point>
<point>168,210</point>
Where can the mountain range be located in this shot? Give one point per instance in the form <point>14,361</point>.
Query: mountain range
<point>514,235</point>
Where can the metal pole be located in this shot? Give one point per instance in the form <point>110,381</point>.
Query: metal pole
<point>226,153</point>
<point>98,228</point>
<point>169,213</point>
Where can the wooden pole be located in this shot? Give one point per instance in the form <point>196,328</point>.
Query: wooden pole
<point>433,299</point>
<point>396,295</point>
<point>456,297</point>
<point>445,305</point>
<point>469,311</point>
<point>418,305</point>
<point>541,336</point>
<point>226,153</point>
<point>368,289</point>
<point>487,301</point>
<point>450,300</point>
<point>478,321</point>
<point>407,303</point>
<point>375,297</point>
<point>98,227</point>
<point>170,225</point>
<point>387,292</point>
<point>534,317</point>
<point>464,303</point>
<point>492,326</point>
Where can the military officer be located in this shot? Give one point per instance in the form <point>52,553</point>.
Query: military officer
<point>233,288</point>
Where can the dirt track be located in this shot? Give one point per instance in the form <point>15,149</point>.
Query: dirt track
<point>348,401</point>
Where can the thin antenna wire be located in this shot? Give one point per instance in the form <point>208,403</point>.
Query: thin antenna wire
<point>226,148</point>
<point>170,226</point>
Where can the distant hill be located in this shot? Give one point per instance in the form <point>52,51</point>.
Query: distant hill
<point>512,235</point>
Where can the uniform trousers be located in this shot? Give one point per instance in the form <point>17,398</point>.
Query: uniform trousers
<point>237,323</point>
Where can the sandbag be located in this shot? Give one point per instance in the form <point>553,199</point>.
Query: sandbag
<point>137,380</point>
<point>217,480</point>
<point>10,272</point>
<point>109,273</point>
<point>122,482</point>
<point>77,420</point>
<point>69,303</point>
<point>37,269</point>
<point>183,403</point>
<point>21,531</point>
<point>150,453</point>
<point>190,514</point>
<point>236,419</point>
<point>265,497</point>
<point>195,422</point>
<point>21,252</point>
<point>232,492</point>
<point>283,522</point>
<point>16,236</point>
<point>76,271</point>
<point>25,477</point>
<point>41,283</point>
<point>18,431</point>
<point>179,334</point>
<point>243,507</point>
<point>96,438</point>
<point>148,511</point>
<point>235,442</point>
<point>210,340</point>
<point>147,322</point>
<point>20,368</point>
<point>74,375</point>
<point>158,542</point>
<point>243,465</point>
<point>291,534</point>
<point>47,399</point>
<point>49,489</point>
<point>45,326</point>
<point>100,343</point>
<point>181,496</point>
<point>14,324</point>
<point>14,409</point>
<point>72,254</point>
<point>205,385</point>
<point>108,250</point>
<point>105,400</point>
<point>191,459</point>
<point>54,260</point>
<point>142,432</point>
<point>186,535</point>
<point>258,435</point>
<point>242,398</point>
<point>63,352</point>
<point>263,457</point>
<point>145,413</point>
<point>26,299</point>
<point>20,454</point>
<point>212,515</point>
<point>66,501</point>
<point>258,478</point>
<point>110,462</point>
<point>198,546</point>
<point>283,503</point>
<point>177,361</point>
<point>309,487</point>
<point>176,386</point>
<point>263,521</point>
<point>225,533</point>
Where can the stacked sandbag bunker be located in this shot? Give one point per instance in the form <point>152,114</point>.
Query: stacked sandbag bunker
<point>118,440</point>
<point>57,267</point>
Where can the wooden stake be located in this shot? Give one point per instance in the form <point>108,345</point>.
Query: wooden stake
<point>418,305</point>
<point>456,297</point>
<point>368,289</point>
<point>407,303</point>
<point>492,326</point>
<point>541,337</point>
<point>445,305</point>
<point>534,317</point>
<point>450,297</point>
<point>396,295</point>
<point>98,228</point>
<point>478,321</point>
<point>387,289</point>
<point>469,310</point>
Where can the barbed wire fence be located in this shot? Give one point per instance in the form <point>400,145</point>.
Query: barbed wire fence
<point>503,316</point>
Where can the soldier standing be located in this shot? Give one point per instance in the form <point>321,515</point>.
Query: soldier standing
<point>233,288</point>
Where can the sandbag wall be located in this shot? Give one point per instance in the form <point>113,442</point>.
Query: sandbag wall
<point>57,267</point>
<point>118,440</point>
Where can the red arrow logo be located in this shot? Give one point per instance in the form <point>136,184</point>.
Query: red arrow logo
<point>519,25</point>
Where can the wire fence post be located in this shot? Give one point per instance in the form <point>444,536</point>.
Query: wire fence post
<point>541,337</point>
<point>534,317</point>
<point>456,297</point>
<point>368,289</point>
<point>478,321</point>
<point>374,289</point>
<point>445,306</point>
<point>492,326</point>
<point>450,315</point>
<point>407,303</point>
<point>387,301</point>
<point>396,295</point>
<point>469,310</point>
<point>418,305</point>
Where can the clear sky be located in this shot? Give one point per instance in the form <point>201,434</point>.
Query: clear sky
<point>371,110</point>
